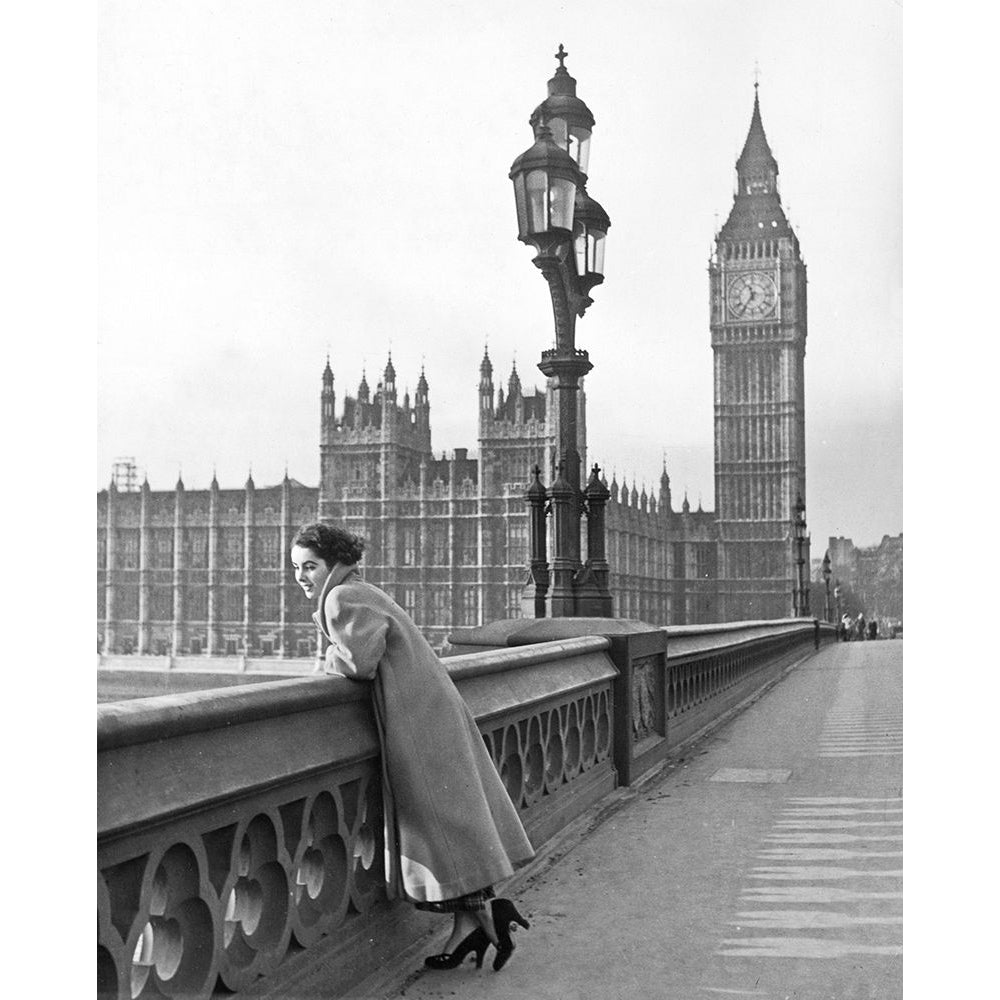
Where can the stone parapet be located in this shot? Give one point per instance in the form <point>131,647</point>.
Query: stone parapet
<point>240,842</point>
<point>238,827</point>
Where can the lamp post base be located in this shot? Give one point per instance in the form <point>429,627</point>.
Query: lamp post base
<point>593,599</point>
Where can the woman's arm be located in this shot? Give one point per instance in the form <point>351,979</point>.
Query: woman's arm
<point>357,635</point>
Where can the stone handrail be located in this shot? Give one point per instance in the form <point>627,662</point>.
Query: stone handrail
<point>712,668</point>
<point>240,830</point>
<point>234,822</point>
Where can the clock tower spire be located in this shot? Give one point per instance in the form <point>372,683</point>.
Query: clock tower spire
<point>757,199</point>
<point>758,321</point>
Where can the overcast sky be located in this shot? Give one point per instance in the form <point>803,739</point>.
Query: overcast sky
<point>278,180</point>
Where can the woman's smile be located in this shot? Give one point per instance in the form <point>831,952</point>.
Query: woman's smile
<point>310,570</point>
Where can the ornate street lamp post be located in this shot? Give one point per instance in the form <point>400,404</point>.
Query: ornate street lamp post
<point>801,601</point>
<point>836,597</point>
<point>567,228</point>
<point>826,580</point>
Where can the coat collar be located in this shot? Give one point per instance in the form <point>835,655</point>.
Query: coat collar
<point>338,575</point>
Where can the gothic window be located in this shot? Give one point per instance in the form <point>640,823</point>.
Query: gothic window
<point>231,548</point>
<point>231,604</point>
<point>468,548</point>
<point>161,600</point>
<point>705,555</point>
<point>102,548</point>
<point>410,546</point>
<point>439,545</point>
<point>128,548</point>
<point>196,548</point>
<point>679,565</point>
<point>514,602</point>
<point>439,610</point>
<point>470,607</point>
<point>267,604</point>
<point>163,548</point>
<point>517,542</point>
<point>373,543</point>
<point>266,543</point>
<point>409,601</point>
<point>127,599</point>
<point>196,604</point>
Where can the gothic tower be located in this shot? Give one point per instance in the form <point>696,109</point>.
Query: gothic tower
<point>375,446</point>
<point>758,323</point>
<point>515,432</point>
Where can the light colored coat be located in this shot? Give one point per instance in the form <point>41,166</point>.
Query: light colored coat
<point>450,826</point>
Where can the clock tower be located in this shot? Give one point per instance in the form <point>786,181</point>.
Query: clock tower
<point>758,322</point>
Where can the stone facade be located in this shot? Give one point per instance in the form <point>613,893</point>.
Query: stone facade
<point>201,571</point>
<point>206,571</point>
<point>873,574</point>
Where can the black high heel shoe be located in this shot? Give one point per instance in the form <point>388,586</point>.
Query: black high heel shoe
<point>477,941</point>
<point>504,911</point>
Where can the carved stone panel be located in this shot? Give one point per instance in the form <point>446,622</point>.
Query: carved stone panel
<point>647,698</point>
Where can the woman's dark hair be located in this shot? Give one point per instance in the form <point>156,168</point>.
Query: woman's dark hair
<point>330,543</point>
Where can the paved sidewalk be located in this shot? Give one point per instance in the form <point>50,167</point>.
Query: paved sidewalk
<point>767,864</point>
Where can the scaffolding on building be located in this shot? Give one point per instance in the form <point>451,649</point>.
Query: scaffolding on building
<point>124,475</point>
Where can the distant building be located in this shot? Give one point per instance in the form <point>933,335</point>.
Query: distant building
<point>206,572</point>
<point>201,571</point>
<point>874,574</point>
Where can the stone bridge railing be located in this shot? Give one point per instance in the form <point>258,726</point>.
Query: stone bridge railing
<point>239,830</point>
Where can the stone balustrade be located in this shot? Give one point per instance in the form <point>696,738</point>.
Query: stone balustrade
<point>240,830</point>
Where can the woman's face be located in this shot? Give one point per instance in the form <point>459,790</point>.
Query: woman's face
<point>310,570</point>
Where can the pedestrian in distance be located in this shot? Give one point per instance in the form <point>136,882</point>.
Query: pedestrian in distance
<point>451,830</point>
<point>860,626</point>
<point>873,629</point>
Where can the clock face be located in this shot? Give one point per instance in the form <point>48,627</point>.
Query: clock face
<point>751,296</point>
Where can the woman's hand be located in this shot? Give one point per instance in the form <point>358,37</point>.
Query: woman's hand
<point>330,660</point>
<point>357,635</point>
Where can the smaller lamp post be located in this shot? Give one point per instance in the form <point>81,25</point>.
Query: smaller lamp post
<point>801,602</point>
<point>826,580</point>
<point>836,597</point>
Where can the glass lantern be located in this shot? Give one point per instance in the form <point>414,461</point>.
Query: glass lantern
<point>574,138</point>
<point>589,233</point>
<point>545,184</point>
<point>568,117</point>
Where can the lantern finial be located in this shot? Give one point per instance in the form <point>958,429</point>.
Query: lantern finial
<point>561,56</point>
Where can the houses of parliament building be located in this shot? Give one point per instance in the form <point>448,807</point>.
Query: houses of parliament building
<point>189,572</point>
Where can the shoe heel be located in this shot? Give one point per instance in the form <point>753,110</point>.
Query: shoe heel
<point>477,942</point>
<point>508,911</point>
<point>504,912</point>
